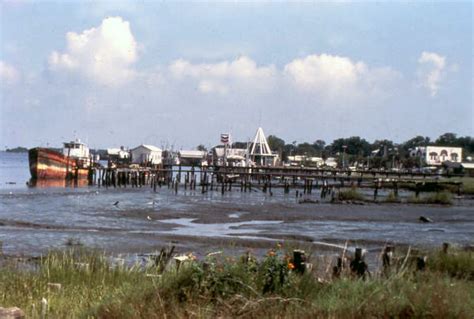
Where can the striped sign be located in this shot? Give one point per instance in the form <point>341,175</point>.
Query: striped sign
<point>225,138</point>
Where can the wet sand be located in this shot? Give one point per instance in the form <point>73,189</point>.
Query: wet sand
<point>33,221</point>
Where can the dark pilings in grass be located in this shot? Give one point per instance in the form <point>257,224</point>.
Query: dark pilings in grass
<point>337,269</point>
<point>420,263</point>
<point>417,190</point>
<point>445,248</point>
<point>387,258</point>
<point>299,261</point>
<point>358,265</point>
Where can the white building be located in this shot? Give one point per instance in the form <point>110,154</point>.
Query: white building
<point>436,155</point>
<point>146,154</point>
<point>191,157</point>
<point>234,156</point>
<point>119,153</point>
<point>298,160</point>
<point>331,162</point>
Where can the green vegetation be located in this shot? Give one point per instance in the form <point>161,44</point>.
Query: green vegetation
<point>350,194</point>
<point>90,286</point>
<point>356,150</point>
<point>392,198</point>
<point>443,198</point>
<point>18,149</point>
<point>468,185</point>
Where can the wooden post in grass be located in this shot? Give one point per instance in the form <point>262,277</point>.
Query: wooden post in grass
<point>337,269</point>
<point>299,261</point>
<point>421,263</point>
<point>418,261</point>
<point>445,248</point>
<point>358,265</point>
<point>387,258</point>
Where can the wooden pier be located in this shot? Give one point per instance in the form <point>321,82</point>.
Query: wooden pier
<point>265,179</point>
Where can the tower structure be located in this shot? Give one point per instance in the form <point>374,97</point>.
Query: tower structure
<point>260,151</point>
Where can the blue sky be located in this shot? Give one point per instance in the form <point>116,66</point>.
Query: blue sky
<point>125,73</point>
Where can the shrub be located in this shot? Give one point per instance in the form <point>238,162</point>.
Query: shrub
<point>350,194</point>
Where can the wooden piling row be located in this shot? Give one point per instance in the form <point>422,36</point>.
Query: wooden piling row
<point>264,179</point>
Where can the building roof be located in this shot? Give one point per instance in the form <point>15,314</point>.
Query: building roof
<point>468,165</point>
<point>192,154</point>
<point>149,147</point>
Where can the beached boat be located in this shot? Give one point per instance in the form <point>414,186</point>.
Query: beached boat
<point>72,163</point>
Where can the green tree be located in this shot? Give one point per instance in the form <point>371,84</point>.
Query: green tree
<point>447,139</point>
<point>239,145</point>
<point>319,145</point>
<point>353,145</point>
<point>201,147</point>
<point>276,144</point>
<point>305,149</point>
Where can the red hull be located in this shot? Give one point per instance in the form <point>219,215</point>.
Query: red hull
<point>49,164</point>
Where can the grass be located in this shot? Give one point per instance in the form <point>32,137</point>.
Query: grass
<point>468,185</point>
<point>442,198</point>
<point>392,198</point>
<point>350,194</point>
<point>220,286</point>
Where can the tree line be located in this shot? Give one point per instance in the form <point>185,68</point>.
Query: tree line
<point>381,153</point>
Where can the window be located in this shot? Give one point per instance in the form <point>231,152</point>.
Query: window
<point>433,156</point>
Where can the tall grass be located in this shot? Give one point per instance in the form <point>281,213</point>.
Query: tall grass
<point>91,287</point>
<point>443,198</point>
<point>350,194</point>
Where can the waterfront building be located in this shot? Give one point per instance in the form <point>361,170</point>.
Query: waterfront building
<point>437,155</point>
<point>146,154</point>
<point>192,157</point>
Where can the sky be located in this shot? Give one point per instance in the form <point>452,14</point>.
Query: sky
<point>178,74</point>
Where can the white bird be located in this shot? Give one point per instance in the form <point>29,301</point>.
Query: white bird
<point>148,217</point>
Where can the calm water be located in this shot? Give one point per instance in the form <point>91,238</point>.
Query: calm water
<point>33,220</point>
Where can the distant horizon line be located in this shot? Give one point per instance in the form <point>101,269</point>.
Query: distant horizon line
<point>6,148</point>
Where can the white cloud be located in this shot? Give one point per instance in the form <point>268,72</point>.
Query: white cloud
<point>431,71</point>
<point>323,71</point>
<point>104,54</point>
<point>8,73</point>
<point>336,77</point>
<point>222,77</point>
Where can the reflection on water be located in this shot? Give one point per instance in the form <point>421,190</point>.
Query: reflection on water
<point>188,227</point>
<point>45,183</point>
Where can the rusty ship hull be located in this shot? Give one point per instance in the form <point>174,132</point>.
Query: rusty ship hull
<point>49,164</point>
